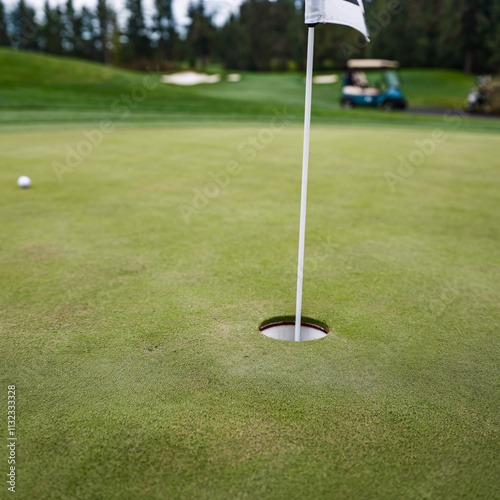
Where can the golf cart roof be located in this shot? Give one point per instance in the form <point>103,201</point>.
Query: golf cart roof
<point>372,64</point>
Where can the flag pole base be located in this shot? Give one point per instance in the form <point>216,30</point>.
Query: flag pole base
<point>285,330</point>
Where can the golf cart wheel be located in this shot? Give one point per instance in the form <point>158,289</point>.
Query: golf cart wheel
<point>347,103</point>
<point>389,105</point>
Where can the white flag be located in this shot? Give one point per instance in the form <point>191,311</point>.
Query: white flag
<point>348,12</point>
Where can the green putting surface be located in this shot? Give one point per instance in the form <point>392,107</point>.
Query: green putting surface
<point>133,288</point>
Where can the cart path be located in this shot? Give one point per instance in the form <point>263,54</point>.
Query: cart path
<point>443,111</point>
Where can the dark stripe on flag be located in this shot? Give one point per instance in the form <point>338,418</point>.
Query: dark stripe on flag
<point>355,2</point>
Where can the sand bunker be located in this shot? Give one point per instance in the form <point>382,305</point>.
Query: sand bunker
<point>190,78</point>
<point>326,79</point>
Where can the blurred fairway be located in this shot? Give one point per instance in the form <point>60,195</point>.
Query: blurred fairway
<point>132,337</point>
<point>39,91</point>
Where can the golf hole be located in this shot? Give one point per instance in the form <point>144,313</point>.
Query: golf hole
<point>285,330</point>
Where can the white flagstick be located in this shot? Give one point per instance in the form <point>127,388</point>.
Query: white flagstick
<point>305,165</point>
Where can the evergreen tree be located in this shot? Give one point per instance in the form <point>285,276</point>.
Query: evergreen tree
<point>52,29</point>
<point>79,42</point>
<point>68,33</point>
<point>24,28</point>
<point>469,33</point>
<point>265,24</point>
<point>164,28</point>
<point>335,46</point>
<point>450,43</point>
<point>282,16</point>
<point>116,43</point>
<point>235,50</point>
<point>444,33</point>
<point>297,35</point>
<point>201,35</point>
<point>404,37</point>
<point>139,44</point>
<point>105,18</point>
<point>493,40</point>
<point>85,34</point>
<point>4,37</point>
<point>475,27</point>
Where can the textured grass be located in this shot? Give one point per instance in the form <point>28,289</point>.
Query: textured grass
<point>132,336</point>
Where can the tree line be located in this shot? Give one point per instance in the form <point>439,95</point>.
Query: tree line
<point>264,35</point>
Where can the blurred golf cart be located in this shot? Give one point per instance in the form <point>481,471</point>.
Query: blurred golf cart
<point>385,93</point>
<point>485,97</point>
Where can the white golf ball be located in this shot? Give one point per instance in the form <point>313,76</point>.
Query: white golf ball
<point>24,181</point>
